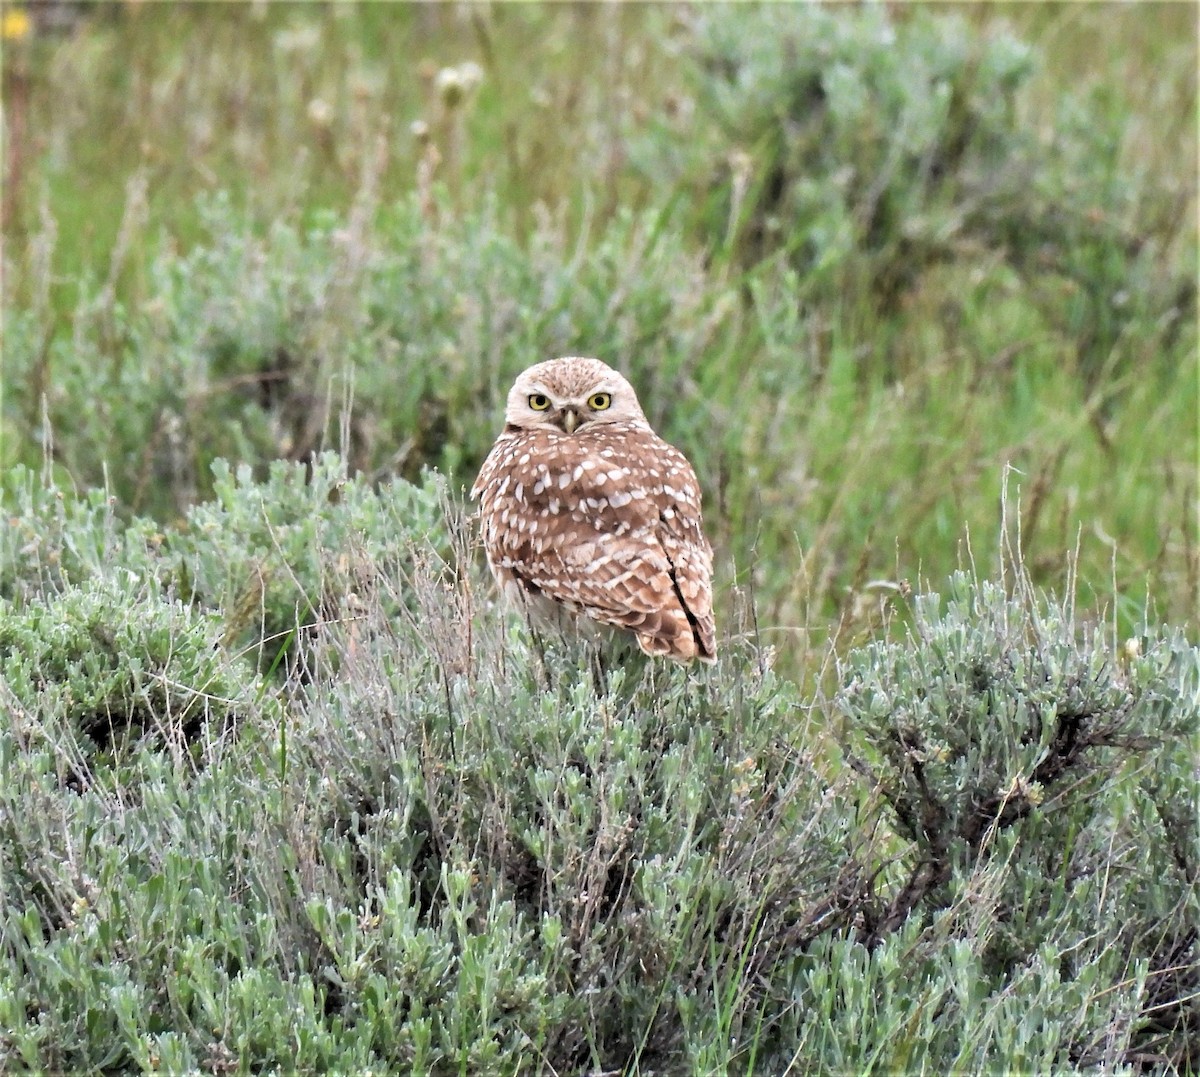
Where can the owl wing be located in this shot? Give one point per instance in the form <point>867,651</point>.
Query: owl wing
<point>607,522</point>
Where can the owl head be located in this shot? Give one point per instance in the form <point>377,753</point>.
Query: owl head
<point>570,393</point>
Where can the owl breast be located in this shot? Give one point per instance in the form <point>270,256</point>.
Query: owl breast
<point>602,524</point>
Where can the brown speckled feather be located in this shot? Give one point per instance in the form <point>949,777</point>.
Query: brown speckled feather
<point>606,521</point>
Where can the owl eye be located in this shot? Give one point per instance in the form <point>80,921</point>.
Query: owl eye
<point>539,401</point>
<point>599,401</point>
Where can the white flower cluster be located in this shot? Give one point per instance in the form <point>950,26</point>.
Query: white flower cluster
<point>455,84</point>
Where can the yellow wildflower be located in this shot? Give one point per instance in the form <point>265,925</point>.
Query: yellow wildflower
<point>15,24</point>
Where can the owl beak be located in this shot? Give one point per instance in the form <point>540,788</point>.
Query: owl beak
<point>570,420</point>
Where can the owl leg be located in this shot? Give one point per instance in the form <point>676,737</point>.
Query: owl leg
<point>599,673</point>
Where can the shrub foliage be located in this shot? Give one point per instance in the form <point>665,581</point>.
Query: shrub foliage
<point>871,151</point>
<point>429,841</point>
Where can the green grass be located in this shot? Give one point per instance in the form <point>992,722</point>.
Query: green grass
<point>915,290</point>
<point>274,266</point>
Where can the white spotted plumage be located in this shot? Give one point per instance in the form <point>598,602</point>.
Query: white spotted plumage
<point>588,513</point>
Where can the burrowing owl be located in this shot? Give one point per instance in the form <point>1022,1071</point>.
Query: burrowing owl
<point>588,512</point>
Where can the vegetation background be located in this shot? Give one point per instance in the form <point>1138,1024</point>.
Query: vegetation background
<point>914,288</point>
